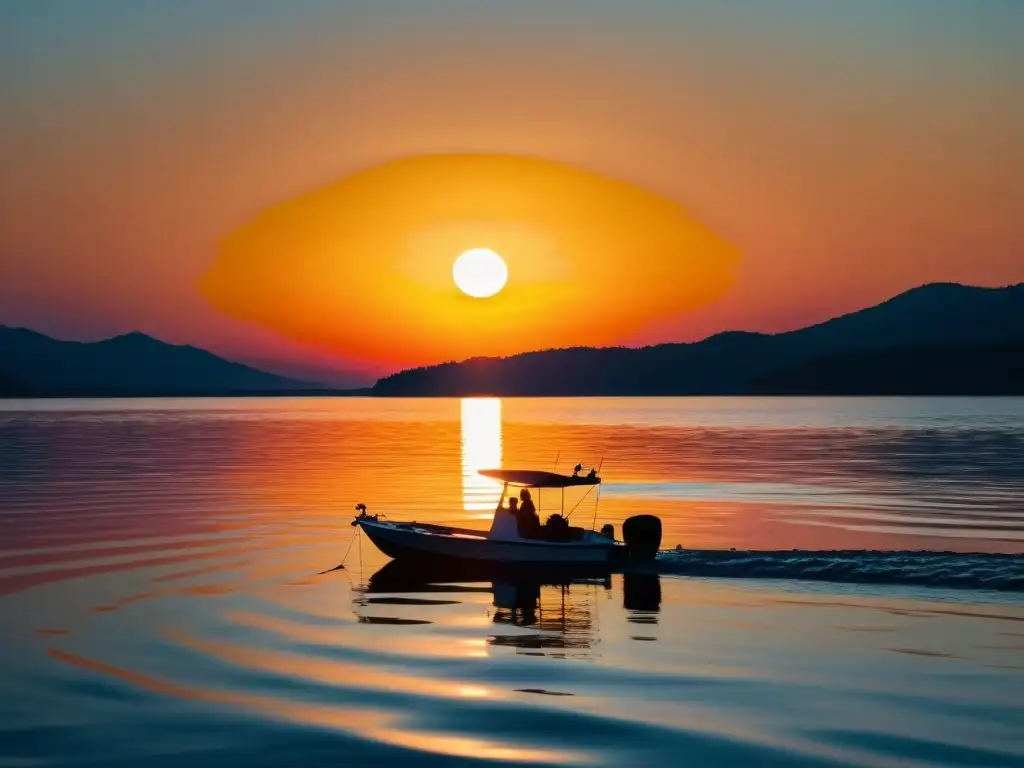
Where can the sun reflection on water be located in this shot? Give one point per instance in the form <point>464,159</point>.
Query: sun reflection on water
<point>481,449</point>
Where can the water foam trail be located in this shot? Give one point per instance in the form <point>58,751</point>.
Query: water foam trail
<point>910,567</point>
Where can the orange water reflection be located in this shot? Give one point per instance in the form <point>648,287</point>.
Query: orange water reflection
<point>344,675</point>
<point>365,722</point>
<point>185,486</point>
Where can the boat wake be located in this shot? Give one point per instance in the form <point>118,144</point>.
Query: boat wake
<point>917,568</point>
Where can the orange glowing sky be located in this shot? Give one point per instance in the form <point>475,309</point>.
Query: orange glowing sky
<point>831,157</point>
<point>589,258</point>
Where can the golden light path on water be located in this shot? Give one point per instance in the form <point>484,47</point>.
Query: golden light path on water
<point>481,449</point>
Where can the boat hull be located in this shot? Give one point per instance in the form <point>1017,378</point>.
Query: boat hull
<point>410,542</point>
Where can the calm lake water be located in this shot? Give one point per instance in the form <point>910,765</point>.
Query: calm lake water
<point>163,599</point>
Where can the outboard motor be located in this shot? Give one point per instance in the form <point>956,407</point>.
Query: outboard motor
<point>642,535</point>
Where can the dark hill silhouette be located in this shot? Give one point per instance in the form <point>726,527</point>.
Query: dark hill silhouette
<point>10,387</point>
<point>130,364</point>
<point>937,315</point>
<point>996,369</point>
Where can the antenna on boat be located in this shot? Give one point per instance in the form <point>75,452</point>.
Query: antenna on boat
<point>597,497</point>
<point>557,457</point>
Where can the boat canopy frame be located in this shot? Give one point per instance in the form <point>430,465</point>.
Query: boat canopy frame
<point>538,478</point>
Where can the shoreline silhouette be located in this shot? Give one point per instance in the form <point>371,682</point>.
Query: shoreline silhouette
<point>938,339</point>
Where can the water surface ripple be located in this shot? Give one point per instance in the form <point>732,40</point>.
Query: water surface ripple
<point>163,594</point>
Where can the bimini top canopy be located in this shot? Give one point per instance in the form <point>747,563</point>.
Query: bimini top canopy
<point>537,478</point>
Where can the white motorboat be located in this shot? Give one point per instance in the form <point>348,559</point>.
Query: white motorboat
<point>557,543</point>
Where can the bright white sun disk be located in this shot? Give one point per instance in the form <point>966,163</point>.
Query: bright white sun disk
<point>480,272</point>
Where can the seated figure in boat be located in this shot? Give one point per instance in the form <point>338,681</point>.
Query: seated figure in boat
<point>529,520</point>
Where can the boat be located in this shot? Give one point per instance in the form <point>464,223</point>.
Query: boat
<point>557,544</point>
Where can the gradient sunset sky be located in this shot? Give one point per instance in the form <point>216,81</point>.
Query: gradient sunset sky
<point>836,153</point>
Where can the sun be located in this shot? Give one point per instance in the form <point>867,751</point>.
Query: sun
<point>480,272</point>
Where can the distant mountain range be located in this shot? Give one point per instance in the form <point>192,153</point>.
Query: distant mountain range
<point>941,338</point>
<point>133,364</point>
<point>937,339</point>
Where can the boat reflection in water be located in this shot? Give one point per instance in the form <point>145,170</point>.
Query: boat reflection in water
<point>561,617</point>
<point>558,611</point>
<point>641,596</point>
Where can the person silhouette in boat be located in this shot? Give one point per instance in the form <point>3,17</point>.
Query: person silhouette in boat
<point>529,520</point>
